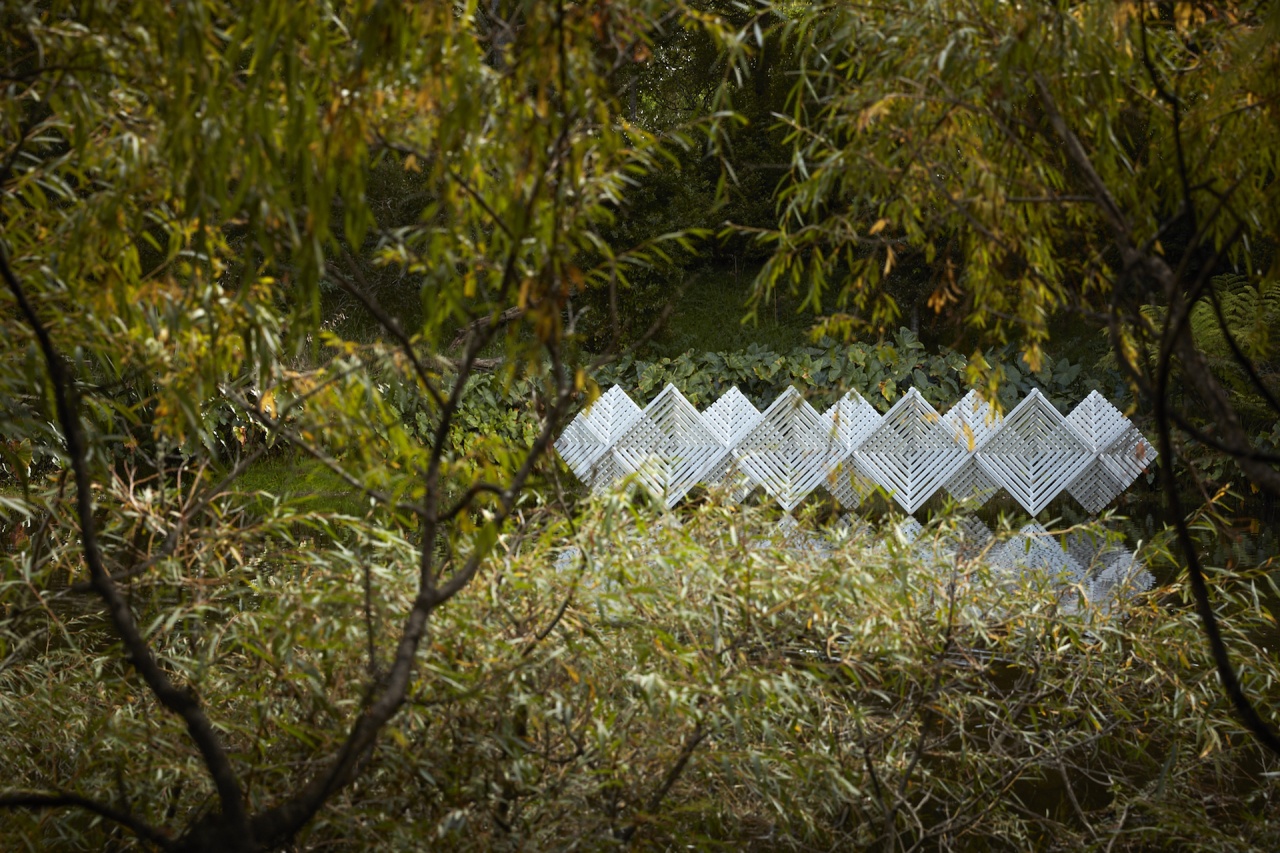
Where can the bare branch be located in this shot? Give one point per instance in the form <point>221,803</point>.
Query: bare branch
<point>41,800</point>
<point>183,701</point>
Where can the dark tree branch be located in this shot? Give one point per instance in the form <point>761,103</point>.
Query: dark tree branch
<point>41,800</point>
<point>691,743</point>
<point>183,701</point>
<point>281,822</point>
<point>515,312</point>
<point>1177,341</point>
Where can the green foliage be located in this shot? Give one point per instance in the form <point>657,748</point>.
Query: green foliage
<point>669,686</point>
<point>1250,319</point>
<point>1250,315</point>
<point>942,127</point>
<point>881,373</point>
<point>181,189</point>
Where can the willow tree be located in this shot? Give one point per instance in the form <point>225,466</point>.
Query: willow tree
<point>178,186</point>
<point>1109,158</point>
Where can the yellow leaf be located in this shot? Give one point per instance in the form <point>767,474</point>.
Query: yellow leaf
<point>878,227</point>
<point>871,113</point>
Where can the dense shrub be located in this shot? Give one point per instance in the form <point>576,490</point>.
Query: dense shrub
<point>696,686</point>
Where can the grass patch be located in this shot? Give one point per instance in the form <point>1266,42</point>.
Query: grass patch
<point>708,317</point>
<point>301,479</point>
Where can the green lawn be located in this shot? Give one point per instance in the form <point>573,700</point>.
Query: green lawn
<point>708,317</point>
<point>299,478</point>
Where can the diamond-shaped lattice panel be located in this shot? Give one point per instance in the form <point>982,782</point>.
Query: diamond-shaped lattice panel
<point>909,529</point>
<point>607,420</point>
<point>790,451</point>
<point>851,420</point>
<point>911,453</point>
<point>972,537</point>
<point>1120,451</point>
<point>669,447</point>
<point>1128,456</point>
<point>730,418</point>
<point>1035,454</point>
<point>972,421</point>
<point>580,447</point>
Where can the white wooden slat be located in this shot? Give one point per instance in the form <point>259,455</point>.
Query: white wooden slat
<point>730,418</point>
<point>851,419</point>
<point>1128,456</point>
<point>1105,427</point>
<point>609,417</point>
<point>580,446</point>
<point>1033,548</point>
<point>790,451</point>
<point>669,447</point>
<point>911,453</point>
<point>972,421</point>
<point>1035,454</point>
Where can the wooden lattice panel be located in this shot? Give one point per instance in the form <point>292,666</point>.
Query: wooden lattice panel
<point>1120,452</point>
<point>1128,456</point>
<point>609,418</point>
<point>730,418</point>
<point>972,421</point>
<point>790,451</point>
<point>851,420</point>
<point>1110,568</point>
<point>669,447</point>
<point>580,446</point>
<point>911,453</point>
<point>1035,454</point>
<point>1123,573</point>
<point>972,536</point>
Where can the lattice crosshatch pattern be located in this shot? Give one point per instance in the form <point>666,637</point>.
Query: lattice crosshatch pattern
<point>730,418</point>
<point>1120,451</point>
<point>591,444</point>
<point>912,452</point>
<point>972,422</point>
<point>669,447</point>
<point>852,419</point>
<point>791,451</point>
<point>1035,548</point>
<point>1034,453</point>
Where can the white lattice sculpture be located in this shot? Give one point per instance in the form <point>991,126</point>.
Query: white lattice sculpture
<point>911,453</point>
<point>1033,453</point>
<point>1034,548</point>
<point>972,421</point>
<point>730,418</point>
<point>588,449</point>
<point>669,447</point>
<point>1120,452</point>
<point>791,450</point>
<point>851,420</point>
<point>580,446</point>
